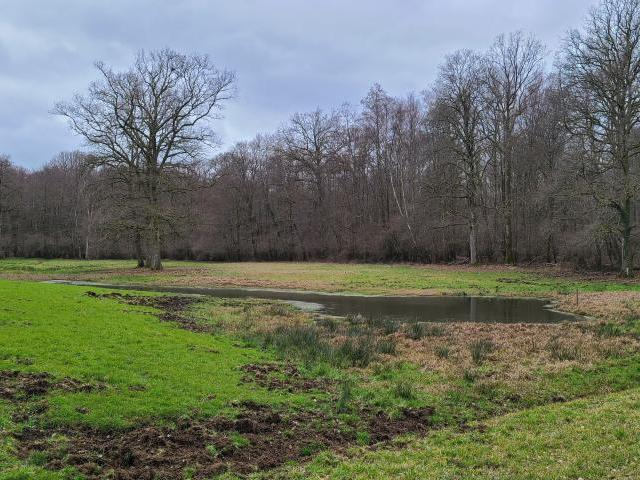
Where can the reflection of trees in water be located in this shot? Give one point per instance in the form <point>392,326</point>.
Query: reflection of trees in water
<point>473,309</point>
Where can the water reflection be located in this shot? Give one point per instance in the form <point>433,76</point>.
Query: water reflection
<point>404,309</point>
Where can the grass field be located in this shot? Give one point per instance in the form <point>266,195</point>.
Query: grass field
<point>97,384</point>
<point>328,277</point>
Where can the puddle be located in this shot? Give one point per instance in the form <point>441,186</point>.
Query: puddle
<point>404,309</point>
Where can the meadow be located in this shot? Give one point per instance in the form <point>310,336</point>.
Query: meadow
<point>96,383</point>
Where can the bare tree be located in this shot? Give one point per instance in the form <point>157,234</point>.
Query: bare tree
<point>152,121</point>
<point>378,107</point>
<point>514,74</point>
<point>83,194</point>
<point>601,69</point>
<point>404,159</point>
<point>458,111</point>
<point>313,144</point>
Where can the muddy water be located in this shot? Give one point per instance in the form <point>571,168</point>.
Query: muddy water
<point>404,309</point>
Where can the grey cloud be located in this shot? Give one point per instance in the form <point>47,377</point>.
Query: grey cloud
<point>289,55</point>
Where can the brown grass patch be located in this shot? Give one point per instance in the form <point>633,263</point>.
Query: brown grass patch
<point>612,306</point>
<point>518,349</point>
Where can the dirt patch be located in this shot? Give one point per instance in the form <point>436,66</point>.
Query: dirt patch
<point>172,307</point>
<point>16,385</point>
<point>383,428</point>
<point>274,376</point>
<point>258,439</point>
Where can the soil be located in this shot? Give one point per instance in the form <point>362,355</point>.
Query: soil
<point>258,439</point>
<point>172,307</point>
<point>16,385</point>
<point>274,376</point>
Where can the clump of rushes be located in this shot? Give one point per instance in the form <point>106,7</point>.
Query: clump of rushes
<point>561,352</point>
<point>416,330</point>
<point>304,341</point>
<point>390,326</point>
<point>480,349</point>
<point>469,375</point>
<point>442,351</point>
<point>356,319</point>
<point>358,330</point>
<point>405,390</point>
<point>358,352</point>
<point>386,346</point>
<point>278,310</point>
<point>608,330</point>
<point>434,330</point>
<point>346,393</point>
<point>328,323</point>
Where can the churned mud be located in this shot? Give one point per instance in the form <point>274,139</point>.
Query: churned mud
<point>17,386</point>
<point>274,376</point>
<point>258,439</point>
<point>172,307</point>
<point>27,391</point>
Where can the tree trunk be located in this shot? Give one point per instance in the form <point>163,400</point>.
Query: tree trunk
<point>509,256</point>
<point>139,250</point>
<point>87,240</point>
<point>625,245</point>
<point>473,233</point>
<point>154,261</point>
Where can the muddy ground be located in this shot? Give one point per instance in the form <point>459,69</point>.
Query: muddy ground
<point>274,376</point>
<point>22,386</point>
<point>258,439</point>
<point>172,307</point>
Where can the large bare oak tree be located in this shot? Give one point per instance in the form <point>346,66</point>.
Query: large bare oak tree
<point>153,124</point>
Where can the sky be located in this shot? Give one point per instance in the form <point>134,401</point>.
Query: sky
<point>289,55</point>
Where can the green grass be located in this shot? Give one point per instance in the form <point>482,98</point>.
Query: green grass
<point>594,438</point>
<point>332,277</point>
<point>60,330</point>
<point>174,373</point>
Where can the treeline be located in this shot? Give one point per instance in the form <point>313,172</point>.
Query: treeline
<point>501,160</point>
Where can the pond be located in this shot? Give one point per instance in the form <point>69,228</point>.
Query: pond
<point>404,309</point>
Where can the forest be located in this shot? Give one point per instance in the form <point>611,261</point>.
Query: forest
<point>514,155</point>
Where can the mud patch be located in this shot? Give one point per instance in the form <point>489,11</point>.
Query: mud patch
<point>17,386</point>
<point>258,439</point>
<point>274,376</point>
<point>382,427</point>
<point>172,307</point>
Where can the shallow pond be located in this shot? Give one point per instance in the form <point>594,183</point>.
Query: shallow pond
<point>405,309</point>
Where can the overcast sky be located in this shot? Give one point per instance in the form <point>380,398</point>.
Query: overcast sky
<point>289,55</point>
